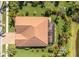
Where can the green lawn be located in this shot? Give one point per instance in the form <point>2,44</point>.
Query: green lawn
<point>3,49</point>
<point>4,22</point>
<point>31,52</point>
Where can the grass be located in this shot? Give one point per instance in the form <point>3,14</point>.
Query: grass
<point>3,49</point>
<point>31,10</point>
<point>4,22</point>
<point>31,52</point>
<point>38,10</point>
<point>58,29</point>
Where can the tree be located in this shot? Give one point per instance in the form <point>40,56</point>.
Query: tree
<point>56,20</point>
<point>75,17</point>
<point>12,22</point>
<point>26,14</point>
<point>34,3</point>
<point>56,3</point>
<point>42,4</point>
<point>55,50</point>
<point>11,50</point>
<point>13,10</point>
<point>48,12</point>
<point>4,6</point>
<point>20,4</point>
<point>34,13</point>
<point>69,11</point>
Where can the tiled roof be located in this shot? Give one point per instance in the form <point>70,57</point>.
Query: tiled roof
<point>31,31</point>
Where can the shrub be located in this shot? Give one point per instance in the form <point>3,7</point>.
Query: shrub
<point>34,4</point>
<point>26,14</point>
<point>48,12</point>
<point>37,50</point>
<point>56,3</point>
<point>42,4</point>
<point>32,50</point>
<point>50,55</point>
<point>42,50</point>
<point>27,48</point>
<point>63,51</point>
<point>50,50</point>
<point>43,55</point>
<point>55,49</point>
<point>34,13</point>
<point>11,50</point>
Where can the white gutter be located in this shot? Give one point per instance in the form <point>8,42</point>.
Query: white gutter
<point>7,9</point>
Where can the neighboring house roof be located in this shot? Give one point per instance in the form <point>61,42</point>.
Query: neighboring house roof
<point>31,31</point>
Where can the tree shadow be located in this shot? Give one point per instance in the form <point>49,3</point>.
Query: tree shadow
<point>77,44</point>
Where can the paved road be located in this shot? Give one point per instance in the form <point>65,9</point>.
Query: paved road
<point>0,28</point>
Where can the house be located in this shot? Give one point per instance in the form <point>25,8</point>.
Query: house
<point>31,31</point>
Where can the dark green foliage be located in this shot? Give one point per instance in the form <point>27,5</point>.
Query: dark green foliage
<point>26,14</point>
<point>13,7</point>
<point>69,11</point>
<point>4,6</point>
<point>12,23</point>
<point>56,3</point>
<point>42,4</point>
<point>75,18</point>
<point>32,50</point>
<point>55,50</point>
<point>61,42</point>
<point>56,20</point>
<point>42,50</point>
<point>11,50</point>
<point>34,3</point>
<point>20,4</point>
<point>50,50</point>
<point>34,13</point>
<point>65,28</point>
<point>48,12</point>
<point>37,50</point>
<point>43,55</point>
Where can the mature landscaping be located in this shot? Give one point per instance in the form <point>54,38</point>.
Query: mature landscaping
<point>65,17</point>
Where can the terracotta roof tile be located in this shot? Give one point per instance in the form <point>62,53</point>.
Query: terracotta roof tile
<point>30,27</point>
